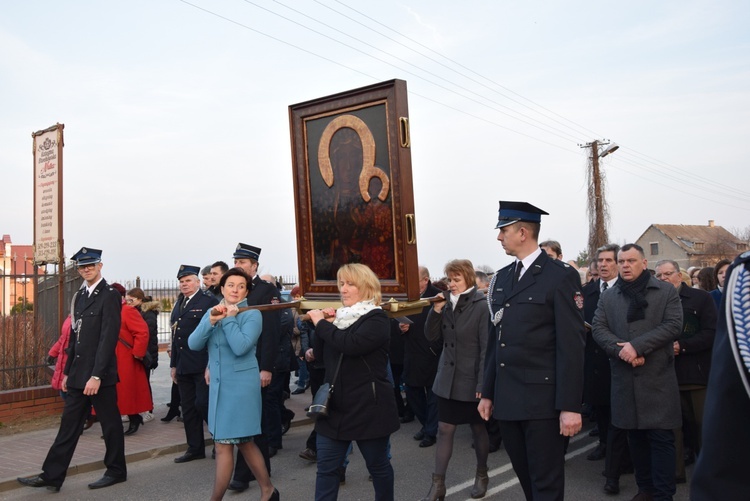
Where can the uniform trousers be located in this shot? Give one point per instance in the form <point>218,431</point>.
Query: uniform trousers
<point>74,414</point>
<point>537,453</point>
<point>242,472</point>
<point>194,402</point>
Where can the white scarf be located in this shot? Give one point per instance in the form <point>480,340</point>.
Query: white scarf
<point>347,315</point>
<point>454,298</point>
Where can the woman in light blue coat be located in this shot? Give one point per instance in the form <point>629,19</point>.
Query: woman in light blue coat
<point>234,405</point>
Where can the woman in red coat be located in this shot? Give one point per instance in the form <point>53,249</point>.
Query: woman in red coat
<point>133,392</point>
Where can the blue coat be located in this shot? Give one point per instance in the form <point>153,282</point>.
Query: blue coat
<point>234,404</point>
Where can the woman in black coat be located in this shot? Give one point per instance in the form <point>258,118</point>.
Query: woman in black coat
<point>362,406</point>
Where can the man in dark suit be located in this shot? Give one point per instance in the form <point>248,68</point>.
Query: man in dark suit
<point>262,292</point>
<point>534,365</point>
<point>692,361</point>
<point>90,376</point>
<point>613,442</point>
<point>188,367</point>
<point>721,469</point>
<point>420,366</point>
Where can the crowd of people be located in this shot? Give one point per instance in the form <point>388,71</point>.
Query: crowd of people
<point>524,356</point>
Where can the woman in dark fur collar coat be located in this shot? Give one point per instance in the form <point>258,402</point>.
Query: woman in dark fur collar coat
<point>362,406</point>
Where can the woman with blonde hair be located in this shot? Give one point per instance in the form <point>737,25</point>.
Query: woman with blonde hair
<point>355,339</point>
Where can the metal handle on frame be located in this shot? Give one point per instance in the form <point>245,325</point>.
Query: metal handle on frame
<point>404,132</point>
<point>411,231</point>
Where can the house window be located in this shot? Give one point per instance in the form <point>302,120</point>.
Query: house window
<point>654,248</point>
<point>699,246</point>
<point>741,247</point>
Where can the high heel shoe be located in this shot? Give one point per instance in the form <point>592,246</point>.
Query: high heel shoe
<point>136,420</point>
<point>275,496</point>
<point>437,489</point>
<point>481,480</point>
<point>174,412</point>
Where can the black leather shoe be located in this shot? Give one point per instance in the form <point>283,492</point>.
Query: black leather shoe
<point>419,435</point>
<point>612,486</point>
<point>494,447</point>
<point>38,481</point>
<point>408,418</point>
<point>189,456</point>
<point>105,481</point>
<point>427,441</point>
<point>599,453</point>
<point>299,391</point>
<point>237,486</point>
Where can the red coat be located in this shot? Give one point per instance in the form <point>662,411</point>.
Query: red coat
<point>59,350</point>
<point>133,392</point>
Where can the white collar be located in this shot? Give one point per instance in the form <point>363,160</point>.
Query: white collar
<point>90,290</point>
<point>528,261</point>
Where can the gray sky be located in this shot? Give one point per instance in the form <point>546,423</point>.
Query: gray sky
<point>177,132</point>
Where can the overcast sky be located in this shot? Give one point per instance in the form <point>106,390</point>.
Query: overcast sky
<point>177,134</point>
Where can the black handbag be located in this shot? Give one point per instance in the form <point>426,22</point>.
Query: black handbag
<point>321,401</point>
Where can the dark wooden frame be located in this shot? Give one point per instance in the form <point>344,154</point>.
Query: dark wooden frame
<point>379,232</point>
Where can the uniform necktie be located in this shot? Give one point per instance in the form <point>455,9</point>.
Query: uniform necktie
<point>184,303</point>
<point>519,267</point>
<point>605,286</point>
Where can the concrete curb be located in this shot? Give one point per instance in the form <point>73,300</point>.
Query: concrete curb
<point>8,484</point>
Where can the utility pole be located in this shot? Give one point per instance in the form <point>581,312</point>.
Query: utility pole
<point>596,207</point>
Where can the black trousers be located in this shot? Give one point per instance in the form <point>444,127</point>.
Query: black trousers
<point>537,453</point>
<point>74,414</point>
<point>242,471</point>
<point>194,402</point>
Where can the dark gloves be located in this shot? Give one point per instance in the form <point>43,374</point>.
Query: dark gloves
<point>51,360</point>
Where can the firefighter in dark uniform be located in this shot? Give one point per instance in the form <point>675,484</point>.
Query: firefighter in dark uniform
<point>90,378</point>
<point>534,364</point>
<point>262,292</point>
<point>188,367</point>
<point>721,469</point>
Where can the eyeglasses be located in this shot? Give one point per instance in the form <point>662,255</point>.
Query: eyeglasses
<point>82,267</point>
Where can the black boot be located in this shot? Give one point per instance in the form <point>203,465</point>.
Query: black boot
<point>174,412</point>
<point>136,420</point>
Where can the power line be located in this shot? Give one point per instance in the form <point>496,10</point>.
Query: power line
<point>542,126</point>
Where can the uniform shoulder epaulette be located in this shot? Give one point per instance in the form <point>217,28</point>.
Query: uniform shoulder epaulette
<point>561,264</point>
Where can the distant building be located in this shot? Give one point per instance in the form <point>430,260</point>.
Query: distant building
<point>16,274</point>
<point>690,245</point>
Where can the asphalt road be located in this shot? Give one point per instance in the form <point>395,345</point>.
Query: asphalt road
<point>161,479</point>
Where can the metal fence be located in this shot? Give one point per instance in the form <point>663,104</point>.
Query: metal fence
<point>26,335</point>
<point>29,326</point>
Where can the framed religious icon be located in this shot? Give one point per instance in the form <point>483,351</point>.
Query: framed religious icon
<point>354,196</point>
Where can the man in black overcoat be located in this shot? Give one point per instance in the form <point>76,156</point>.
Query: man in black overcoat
<point>90,378</point>
<point>420,366</point>
<point>692,361</point>
<point>534,364</point>
<point>188,367</point>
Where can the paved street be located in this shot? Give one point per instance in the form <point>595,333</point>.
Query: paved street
<point>154,476</point>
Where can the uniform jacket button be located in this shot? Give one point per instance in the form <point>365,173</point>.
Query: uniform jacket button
<point>502,365</point>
